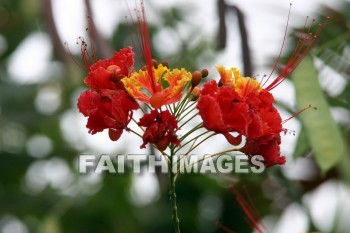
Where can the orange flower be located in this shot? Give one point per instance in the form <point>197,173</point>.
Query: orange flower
<point>167,87</point>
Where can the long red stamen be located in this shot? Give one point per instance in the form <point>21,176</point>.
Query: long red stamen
<point>86,58</point>
<point>249,209</point>
<point>305,42</point>
<point>72,56</point>
<point>91,30</point>
<point>130,31</point>
<point>282,47</point>
<point>84,53</point>
<point>218,224</point>
<point>296,114</point>
<point>144,42</point>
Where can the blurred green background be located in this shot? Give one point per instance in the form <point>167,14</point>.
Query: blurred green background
<point>42,134</point>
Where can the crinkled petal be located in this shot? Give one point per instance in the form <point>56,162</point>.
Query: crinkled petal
<point>139,86</point>
<point>124,58</point>
<point>270,151</point>
<point>122,106</point>
<point>210,88</point>
<point>88,102</point>
<point>238,118</point>
<point>160,129</point>
<point>100,79</point>
<point>177,80</point>
<point>210,112</point>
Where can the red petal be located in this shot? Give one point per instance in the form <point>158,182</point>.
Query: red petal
<point>211,114</point>
<point>100,79</point>
<point>124,59</point>
<point>96,123</point>
<point>210,88</point>
<point>238,118</point>
<point>122,106</point>
<point>148,119</point>
<point>270,151</point>
<point>160,129</point>
<point>88,102</point>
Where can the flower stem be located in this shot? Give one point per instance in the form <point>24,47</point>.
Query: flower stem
<point>172,179</point>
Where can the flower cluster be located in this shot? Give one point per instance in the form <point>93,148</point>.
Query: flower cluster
<point>235,106</point>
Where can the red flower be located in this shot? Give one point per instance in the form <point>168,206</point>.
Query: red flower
<point>104,75</point>
<point>160,129</point>
<point>242,105</point>
<point>106,113</point>
<point>247,109</point>
<point>107,105</point>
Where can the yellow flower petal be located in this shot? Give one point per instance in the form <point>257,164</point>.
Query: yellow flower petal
<point>246,86</point>
<point>177,80</point>
<point>229,76</point>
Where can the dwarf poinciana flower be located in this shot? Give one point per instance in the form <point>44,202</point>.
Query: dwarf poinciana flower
<point>107,105</point>
<point>165,87</point>
<point>104,76</point>
<point>160,129</point>
<point>155,85</point>
<point>243,107</point>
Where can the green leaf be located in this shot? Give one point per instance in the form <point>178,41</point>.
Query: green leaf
<point>336,102</point>
<point>302,145</point>
<point>322,131</point>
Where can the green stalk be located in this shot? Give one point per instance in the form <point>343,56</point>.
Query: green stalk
<point>182,102</point>
<point>193,139</point>
<point>197,145</point>
<point>191,118</point>
<point>200,125</point>
<point>181,107</point>
<point>186,112</point>
<point>172,178</point>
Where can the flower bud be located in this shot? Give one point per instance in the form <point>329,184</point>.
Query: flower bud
<point>205,73</point>
<point>165,63</point>
<point>195,93</point>
<point>114,135</point>
<point>154,63</point>
<point>196,78</point>
<point>220,83</point>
